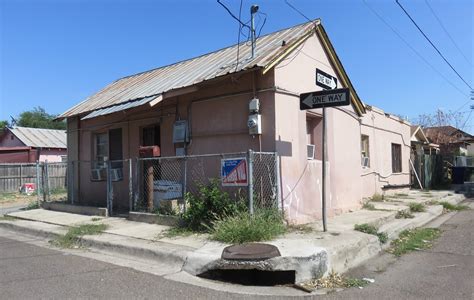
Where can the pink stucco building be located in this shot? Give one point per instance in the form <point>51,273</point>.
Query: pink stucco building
<point>368,150</point>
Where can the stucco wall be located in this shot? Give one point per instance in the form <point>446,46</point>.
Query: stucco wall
<point>301,178</point>
<point>217,112</point>
<point>383,130</point>
<point>347,181</point>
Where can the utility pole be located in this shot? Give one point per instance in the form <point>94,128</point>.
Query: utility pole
<point>253,11</point>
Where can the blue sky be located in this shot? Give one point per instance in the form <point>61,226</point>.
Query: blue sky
<point>55,53</point>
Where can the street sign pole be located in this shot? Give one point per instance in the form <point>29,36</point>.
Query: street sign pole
<point>323,99</point>
<point>323,150</point>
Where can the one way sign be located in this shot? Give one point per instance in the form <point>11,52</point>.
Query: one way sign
<point>328,98</point>
<point>325,80</point>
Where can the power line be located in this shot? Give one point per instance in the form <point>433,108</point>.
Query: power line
<point>232,15</point>
<point>428,39</point>
<point>298,11</point>
<point>446,31</point>
<point>412,48</point>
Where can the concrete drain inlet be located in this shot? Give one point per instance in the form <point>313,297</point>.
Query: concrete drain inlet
<point>246,264</point>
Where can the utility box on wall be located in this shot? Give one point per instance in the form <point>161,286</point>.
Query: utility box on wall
<point>255,124</point>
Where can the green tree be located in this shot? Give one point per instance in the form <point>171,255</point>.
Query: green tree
<point>39,118</point>
<point>3,124</point>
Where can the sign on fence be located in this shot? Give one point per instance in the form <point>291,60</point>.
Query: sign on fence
<point>234,172</point>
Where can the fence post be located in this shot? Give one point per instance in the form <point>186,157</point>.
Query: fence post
<point>137,182</point>
<point>71,173</point>
<point>110,190</point>
<point>185,183</point>
<point>47,195</point>
<point>38,190</point>
<point>21,179</point>
<point>250,177</point>
<point>130,184</point>
<point>277,179</point>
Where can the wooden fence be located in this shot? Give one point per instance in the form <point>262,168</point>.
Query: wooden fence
<point>14,175</point>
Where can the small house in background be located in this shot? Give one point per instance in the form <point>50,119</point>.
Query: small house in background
<point>451,140</point>
<point>26,145</point>
<point>420,144</point>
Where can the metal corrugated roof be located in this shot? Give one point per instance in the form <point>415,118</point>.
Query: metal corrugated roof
<point>39,137</point>
<point>119,107</point>
<point>192,71</point>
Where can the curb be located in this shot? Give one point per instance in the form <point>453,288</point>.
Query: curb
<point>168,253</point>
<point>319,257</point>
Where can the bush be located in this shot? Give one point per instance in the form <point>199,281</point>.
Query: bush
<point>416,207</point>
<point>210,204</point>
<point>242,227</point>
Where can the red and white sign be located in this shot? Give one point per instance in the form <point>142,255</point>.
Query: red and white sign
<point>234,172</point>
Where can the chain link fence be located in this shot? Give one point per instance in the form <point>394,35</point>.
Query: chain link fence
<point>163,182</point>
<point>160,184</point>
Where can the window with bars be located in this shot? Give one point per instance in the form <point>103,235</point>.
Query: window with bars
<point>396,158</point>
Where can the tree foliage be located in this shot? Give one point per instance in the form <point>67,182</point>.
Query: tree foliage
<point>39,118</point>
<point>440,118</point>
<point>3,124</point>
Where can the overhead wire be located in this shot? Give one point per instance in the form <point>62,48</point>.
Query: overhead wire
<point>446,31</point>
<point>412,48</point>
<point>432,44</point>
<point>232,15</point>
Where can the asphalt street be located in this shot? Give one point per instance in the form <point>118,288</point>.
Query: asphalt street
<point>444,272</point>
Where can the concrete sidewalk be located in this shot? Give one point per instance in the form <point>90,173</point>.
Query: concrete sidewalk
<point>310,254</point>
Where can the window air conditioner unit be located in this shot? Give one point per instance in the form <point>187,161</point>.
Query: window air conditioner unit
<point>116,174</point>
<point>365,161</point>
<point>310,149</point>
<point>96,174</point>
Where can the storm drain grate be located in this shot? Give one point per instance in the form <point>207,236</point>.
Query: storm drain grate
<point>251,277</point>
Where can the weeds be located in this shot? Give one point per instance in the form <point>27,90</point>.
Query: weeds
<point>368,206</point>
<point>377,197</point>
<point>416,207</point>
<point>73,236</point>
<point>304,228</point>
<point>243,227</point>
<point>7,218</point>
<point>175,232</point>
<point>416,239</point>
<point>32,205</point>
<point>96,219</point>
<point>371,229</point>
<point>400,195</point>
<point>333,281</point>
<point>453,207</point>
<point>404,214</point>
